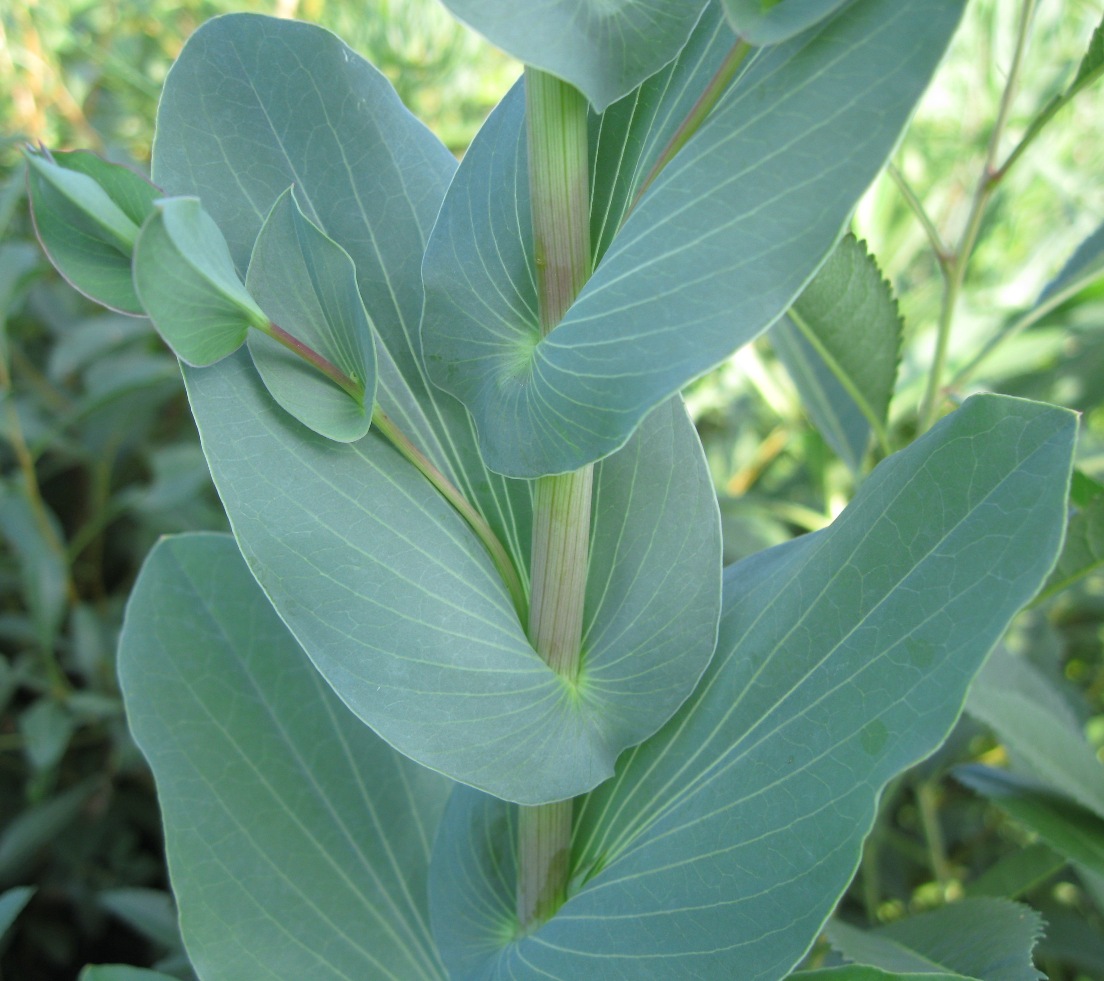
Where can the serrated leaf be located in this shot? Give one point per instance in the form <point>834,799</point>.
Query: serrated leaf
<point>187,285</point>
<point>1038,728</point>
<point>297,841</point>
<point>306,284</point>
<point>398,604</point>
<point>716,249</point>
<point>980,938</point>
<point>1071,829</point>
<point>87,213</point>
<point>840,343</point>
<point>604,49</point>
<point>724,841</point>
<point>763,23</point>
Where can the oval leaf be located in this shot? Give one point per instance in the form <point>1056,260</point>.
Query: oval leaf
<point>297,840</point>
<point>604,49</point>
<point>724,841</point>
<point>763,22</point>
<point>399,606</point>
<point>187,284</point>
<point>87,213</point>
<point>306,284</point>
<point>717,248</point>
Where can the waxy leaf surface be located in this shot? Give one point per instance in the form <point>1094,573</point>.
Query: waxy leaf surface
<point>768,23</point>
<point>399,606</point>
<point>306,284</point>
<point>863,972</point>
<point>297,840</point>
<point>716,249</point>
<point>187,283</point>
<point>254,105</point>
<point>604,49</point>
<point>723,842</point>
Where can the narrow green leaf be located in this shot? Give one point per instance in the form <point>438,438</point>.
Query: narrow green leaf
<point>1018,873</point>
<point>87,213</point>
<point>256,104</point>
<point>12,902</point>
<point>306,283</point>
<point>37,827</point>
<point>150,911</point>
<point>717,248</point>
<point>1037,726</point>
<point>187,284</point>
<point>1071,829</point>
<point>840,342</point>
<point>723,842</point>
<point>604,49</point>
<point>1084,266</point>
<point>764,23</point>
<point>1083,552</point>
<point>400,608</point>
<point>1092,64</point>
<point>297,841</point>
<point>980,938</point>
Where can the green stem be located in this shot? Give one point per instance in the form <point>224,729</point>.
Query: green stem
<point>556,119</point>
<point>717,87</point>
<point>387,428</point>
<point>987,182</point>
<point>352,387</point>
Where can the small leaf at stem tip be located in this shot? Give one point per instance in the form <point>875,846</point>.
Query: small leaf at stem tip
<point>325,376</point>
<point>185,278</point>
<point>87,213</point>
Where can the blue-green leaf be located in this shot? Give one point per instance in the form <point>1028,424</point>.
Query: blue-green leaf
<point>297,841</point>
<point>763,22</point>
<point>863,972</point>
<point>399,606</point>
<point>724,841</point>
<point>121,972</point>
<point>186,282</point>
<point>980,938</point>
<point>717,248</point>
<point>257,104</point>
<point>306,284</point>
<point>12,902</point>
<point>604,49</point>
<point>87,213</point>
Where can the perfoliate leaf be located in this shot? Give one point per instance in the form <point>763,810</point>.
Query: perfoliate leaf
<point>87,213</point>
<point>840,343</point>
<point>715,250</point>
<point>306,284</point>
<point>1071,829</point>
<point>604,49</point>
<point>762,23</point>
<point>723,842</point>
<point>186,282</point>
<point>297,840</point>
<point>980,938</point>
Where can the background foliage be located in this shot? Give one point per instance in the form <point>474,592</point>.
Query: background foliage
<point>100,457</point>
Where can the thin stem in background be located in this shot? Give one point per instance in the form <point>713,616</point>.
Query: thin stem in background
<point>559,190</point>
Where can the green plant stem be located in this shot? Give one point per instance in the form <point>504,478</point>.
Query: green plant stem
<point>958,262</point>
<point>387,428</point>
<point>353,388</point>
<point>556,119</point>
<point>709,98</point>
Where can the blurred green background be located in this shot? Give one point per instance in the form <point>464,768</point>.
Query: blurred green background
<point>99,455</point>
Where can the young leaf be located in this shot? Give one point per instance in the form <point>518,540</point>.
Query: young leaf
<point>87,213</point>
<point>716,249</point>
<point>1034,722</point>
<point>310,860</point>
<point>400,608</point>
<point>840,342</point>
<point>237,125</point>
<point>605,50</point>
<point>307,285</point>
<point>980,938</point>
<point>186,282</point>
<point>723,842</point>
<point>1071,829</point>
<point>769,23</point>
